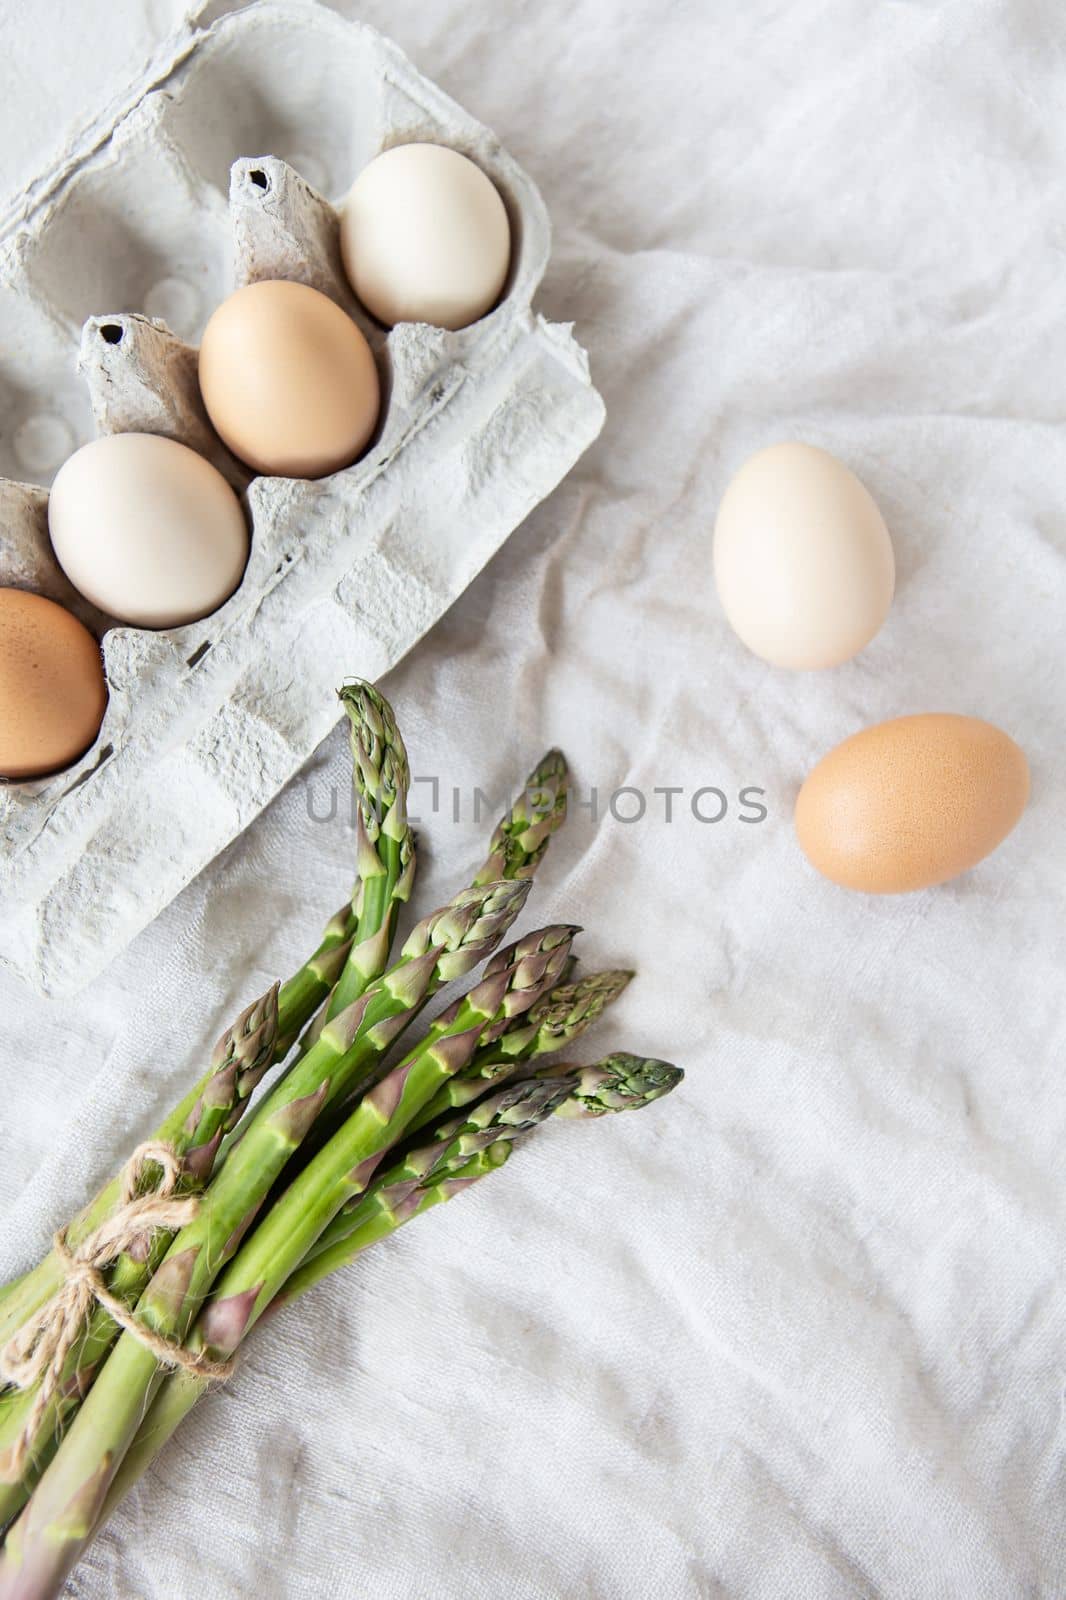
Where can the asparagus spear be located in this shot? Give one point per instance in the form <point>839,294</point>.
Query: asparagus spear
<point>460,1153</point>
<point>553,1024</point>
<point>380,778</point>
<point>499,1119</point>
<point>385,850</point>
<point>517,846</point>
<point>238,1062</point>
<point>302,994</point>
<point>49,1535</point>
<point>240,1059</point>
<point>619,1082</point>
<point>344,1167</point>
<point>384,865</point>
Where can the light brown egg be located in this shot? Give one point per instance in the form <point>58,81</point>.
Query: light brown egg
<point>288,380</point>
<point>911,802</point>
<point>52,689</point>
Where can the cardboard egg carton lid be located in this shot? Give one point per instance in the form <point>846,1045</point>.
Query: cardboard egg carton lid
<point>107,277</point>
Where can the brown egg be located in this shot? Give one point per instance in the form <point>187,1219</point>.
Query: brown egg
<point>288,380</point>
<point>52,689</point>
<point>911,802</point>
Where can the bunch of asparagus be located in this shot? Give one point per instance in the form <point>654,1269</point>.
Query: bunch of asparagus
<point>355,1138</point>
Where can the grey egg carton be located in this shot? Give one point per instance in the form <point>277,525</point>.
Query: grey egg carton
<point>161,215</point>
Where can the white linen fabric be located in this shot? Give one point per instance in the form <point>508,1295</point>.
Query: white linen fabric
<point>798,1332</point>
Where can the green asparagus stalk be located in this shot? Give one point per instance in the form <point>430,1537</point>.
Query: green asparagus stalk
<point>504,1117</point>
<point>460,1153</point>
<point>47,1538</point>
<point>181,1391</point>
<point>466,1150</point>
<point>386,843</point>
<point>379,776</point>
<point>345,1166</point>
<point>356,943</point>
<point>385,851</point>
<point>380,780</point>
<point>239,1061</point>
<point>302,994</point>
<point>385,1213</point>
<point>517,846</point>
<point>620,1082</point>
<point>10,1287</point>
<point>553,1024</point>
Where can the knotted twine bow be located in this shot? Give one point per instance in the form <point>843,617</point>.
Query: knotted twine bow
<point>36,1356</point>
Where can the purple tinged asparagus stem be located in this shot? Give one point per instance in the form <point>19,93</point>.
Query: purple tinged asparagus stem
<point>380,780</point>
<point>53,1529</point>
<point>504,1117</point>
<point>354,947</point>
<point>303,993</point>
<point>459,1153</point>
<point>343,1178</point>
<point>513,980</point>
<point>385,850</point>
<point>517,847</point>
<point>357,942</point>
<point>240,1058</point>
<point>553,1024</point>
<point>181,1391</point>
<point>521,838</point>
<point>620,1082</point>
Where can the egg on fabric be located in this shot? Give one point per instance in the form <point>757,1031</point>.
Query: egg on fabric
<point>911,802</point>
<point>147,530</point>
<point>425,237</point>
<point>803,561</point>
<point>288,380</point>
<point>52,689</point>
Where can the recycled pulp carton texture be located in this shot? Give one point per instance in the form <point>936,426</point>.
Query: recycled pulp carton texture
<point>105,285</point>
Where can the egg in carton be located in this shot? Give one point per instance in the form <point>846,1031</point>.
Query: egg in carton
<point>206,722</point>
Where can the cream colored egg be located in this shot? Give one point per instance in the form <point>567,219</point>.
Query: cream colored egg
<point>911,802</point>
<point>425,237</point>
<point>147,530</point>
<point>803,561</point>
<point>52,689</point>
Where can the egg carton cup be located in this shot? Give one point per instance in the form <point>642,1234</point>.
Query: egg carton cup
<point>164,216</point>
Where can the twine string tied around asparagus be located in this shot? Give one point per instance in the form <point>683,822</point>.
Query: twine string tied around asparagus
<point>36,1355</point>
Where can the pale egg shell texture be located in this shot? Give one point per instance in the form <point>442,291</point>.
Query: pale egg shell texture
<point>52,689</point>
<point>803,561</point>
<point>425,237</point>
<point>147,530</point>
<point>911,802</point>
<point>288,380</point>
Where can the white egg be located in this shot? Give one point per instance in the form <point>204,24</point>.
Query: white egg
<point>147,530</point>
<point>425,237</point>
<point>803,561</point>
